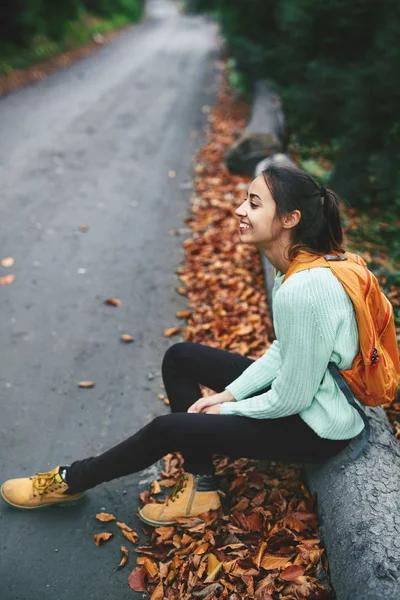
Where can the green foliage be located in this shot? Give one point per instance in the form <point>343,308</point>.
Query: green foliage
<point>337,65</point>
<point>237,80</point>
<point>32,31</point>
<point>21,21</point>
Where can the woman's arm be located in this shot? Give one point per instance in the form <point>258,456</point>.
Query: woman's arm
<point>305,347</point>
<point>258,375</point>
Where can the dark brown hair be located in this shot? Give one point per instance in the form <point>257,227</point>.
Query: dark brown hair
<point>319,230</point>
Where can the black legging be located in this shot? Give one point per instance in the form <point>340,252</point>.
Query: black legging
<point>198,436</point>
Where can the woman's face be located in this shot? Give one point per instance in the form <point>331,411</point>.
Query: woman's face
<point>258,225</point>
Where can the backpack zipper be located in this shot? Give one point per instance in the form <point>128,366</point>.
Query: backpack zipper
<point>387,317</point>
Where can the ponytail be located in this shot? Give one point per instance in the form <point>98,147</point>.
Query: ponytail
<point>319,230</point>
<point>333,228</point>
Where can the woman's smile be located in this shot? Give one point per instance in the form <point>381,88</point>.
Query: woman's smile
<point>243,226</point>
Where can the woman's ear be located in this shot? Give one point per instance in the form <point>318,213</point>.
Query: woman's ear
<point>291,219</point>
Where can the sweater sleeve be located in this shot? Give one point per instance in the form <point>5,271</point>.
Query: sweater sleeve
<point>258,375</point>
<point>305,352</point>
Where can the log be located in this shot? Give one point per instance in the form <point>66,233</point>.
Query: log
<point>358,505</point>
<point>265,133</point>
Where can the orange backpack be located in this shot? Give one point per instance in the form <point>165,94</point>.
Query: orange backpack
<point>374,376</point>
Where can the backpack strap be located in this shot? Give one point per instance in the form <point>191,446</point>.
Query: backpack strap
<point>334,371</point>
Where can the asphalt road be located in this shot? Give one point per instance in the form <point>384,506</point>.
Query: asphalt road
<point>92,145</point>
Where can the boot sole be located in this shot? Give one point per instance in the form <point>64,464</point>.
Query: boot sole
<point>59,503</point>
<point>161,523</point>
<point>155,523</point>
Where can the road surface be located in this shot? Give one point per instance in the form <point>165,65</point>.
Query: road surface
<point>92,145</point>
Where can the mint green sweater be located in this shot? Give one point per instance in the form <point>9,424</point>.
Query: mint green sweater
<point>314,323</point>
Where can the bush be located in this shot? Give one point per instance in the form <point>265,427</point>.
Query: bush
<point>337,64</point>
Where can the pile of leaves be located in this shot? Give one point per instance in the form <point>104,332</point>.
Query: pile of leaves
<point>263,545</point>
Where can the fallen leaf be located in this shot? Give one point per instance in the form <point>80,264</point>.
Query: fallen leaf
<point>292,572</point>
<point>172,331</point>
<point>84,228</point>
<point>213,568</point>
<point>102,537</point>
<point>124,558</point>
<point>126,531</point>
<point>181,290</point>
<point>271,561</point>
<point>150,567</point>
<point>136,579</point>
<point>7,262</point>
<point>155,487</point>
<point>158,593</point>
<point>171,174</point>
<point>183,314</point>
<point>166,401</point>
<point>125,337</point>
<point>113,302</point>
<point>105,517</point>
<point>86,384</point>
<point>7,279</point>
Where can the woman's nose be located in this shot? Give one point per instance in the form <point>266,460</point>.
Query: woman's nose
<point>240,211</point>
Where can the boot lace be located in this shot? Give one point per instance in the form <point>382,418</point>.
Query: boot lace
<point>177,489</point>
<point>43,483</point>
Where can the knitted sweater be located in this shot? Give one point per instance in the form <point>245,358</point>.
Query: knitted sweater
<point>314,323</point>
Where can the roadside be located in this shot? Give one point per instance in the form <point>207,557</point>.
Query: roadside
<point>21,66</point>
<point>95,162</point>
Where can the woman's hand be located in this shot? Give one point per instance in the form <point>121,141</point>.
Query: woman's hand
<point>215,409</point>
<point>203,405</point>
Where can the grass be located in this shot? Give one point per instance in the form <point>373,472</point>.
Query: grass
<point>77,33</point>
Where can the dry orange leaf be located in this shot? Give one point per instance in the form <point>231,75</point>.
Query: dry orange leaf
<point>181,290</point>
<point>84,228</point>
<point>158,593</point>
<point>183,314</point>
<point>113,302</point>
<point>213,567</point>
<point>172,331</point>
<point>272,561</point>
<point>130,535</point>
<point>136,579</point>
<point>7,262</point>
<point>150,567</point>
<point>125,337</point>
<point>105,517</point>
<point>102,537</point>
<point>292,572</point>
<point>166,401</point>
<point>86,384</point>
<point>124,559</point>
<point>7,279</point>
<point>155,487</point>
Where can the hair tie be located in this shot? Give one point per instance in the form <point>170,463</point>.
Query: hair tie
<point>323,194</point>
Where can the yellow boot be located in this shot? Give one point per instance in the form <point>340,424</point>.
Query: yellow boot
<point>43,489</point>
<point>190,497</point>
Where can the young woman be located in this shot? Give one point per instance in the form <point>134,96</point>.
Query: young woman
<point>285,406</point>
